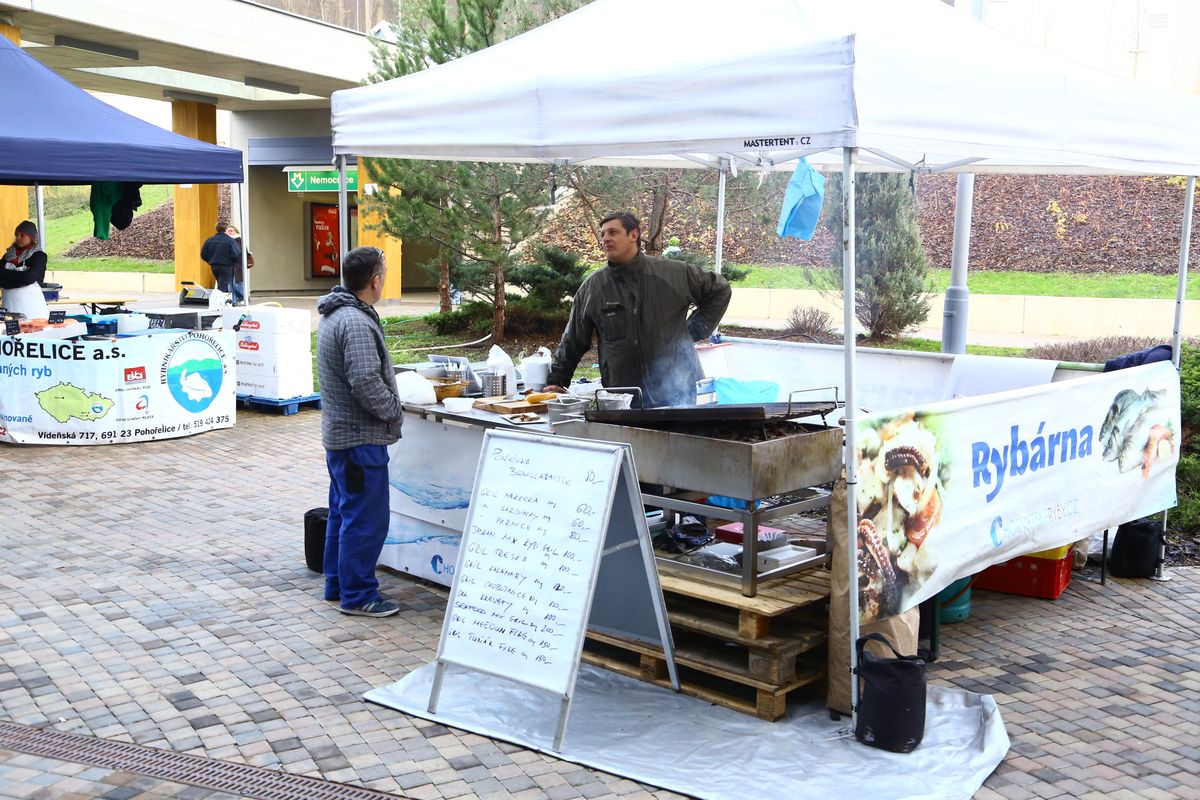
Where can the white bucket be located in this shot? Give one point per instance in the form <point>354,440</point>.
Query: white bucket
<point>536,369</point>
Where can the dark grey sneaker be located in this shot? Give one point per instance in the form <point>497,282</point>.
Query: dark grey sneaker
<point>376,608</point>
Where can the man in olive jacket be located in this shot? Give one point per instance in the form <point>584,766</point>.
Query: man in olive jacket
<point>638,307</point>
<point>360,416</point>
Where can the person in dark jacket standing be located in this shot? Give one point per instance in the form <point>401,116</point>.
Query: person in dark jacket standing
<point>238,285</point>
<point>360,416</point>
<point>222,254</point>
<point>638,308</point>
<point>22,272</point>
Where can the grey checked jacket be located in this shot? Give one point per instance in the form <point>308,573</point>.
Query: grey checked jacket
<point>359,403</point>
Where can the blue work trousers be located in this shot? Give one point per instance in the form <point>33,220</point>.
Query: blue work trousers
<point>358,522</point>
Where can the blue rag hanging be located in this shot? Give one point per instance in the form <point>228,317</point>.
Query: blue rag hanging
<point>802,202</point>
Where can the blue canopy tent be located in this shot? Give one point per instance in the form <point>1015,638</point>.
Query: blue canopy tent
<point>63,135</point>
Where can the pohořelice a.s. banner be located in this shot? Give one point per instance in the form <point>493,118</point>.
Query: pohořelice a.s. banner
<point>128,389</point>
<point>947,489</point>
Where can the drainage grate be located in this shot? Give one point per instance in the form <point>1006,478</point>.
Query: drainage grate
<point>239,779</point>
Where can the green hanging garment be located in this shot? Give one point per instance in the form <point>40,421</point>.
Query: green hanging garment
<point>105,194</point>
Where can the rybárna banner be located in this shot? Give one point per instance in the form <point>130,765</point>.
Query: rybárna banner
<point>947,489</point>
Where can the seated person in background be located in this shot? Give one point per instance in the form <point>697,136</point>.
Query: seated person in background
<point>22,271</point>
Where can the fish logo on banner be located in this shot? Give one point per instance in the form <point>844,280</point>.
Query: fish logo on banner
<point>193,370</point>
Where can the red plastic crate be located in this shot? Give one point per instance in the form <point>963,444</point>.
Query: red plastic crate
<point>1028,576</point>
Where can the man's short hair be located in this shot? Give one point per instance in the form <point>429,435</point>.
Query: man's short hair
<point>221,226</point>
<point>628,222</point>
<point>359,266</point>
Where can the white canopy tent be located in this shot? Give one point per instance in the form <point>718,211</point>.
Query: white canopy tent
<point>852,84</point>
<point>902,80</point>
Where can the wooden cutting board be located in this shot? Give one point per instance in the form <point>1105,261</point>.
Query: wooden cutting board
<point>485,403</point>
<point>502,405</point>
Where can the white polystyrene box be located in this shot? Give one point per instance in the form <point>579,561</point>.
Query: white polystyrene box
<point>273,347</point>
<point>274,365</point>
<point>268,320</point>
<point>276,387</point>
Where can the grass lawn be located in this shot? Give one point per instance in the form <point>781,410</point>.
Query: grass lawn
<point>63,233</point>
<point>111,264</point>
<point>935,346</point>
<point>1047,284</point>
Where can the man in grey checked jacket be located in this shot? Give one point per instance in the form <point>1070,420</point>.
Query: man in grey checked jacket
<point>360,416</point>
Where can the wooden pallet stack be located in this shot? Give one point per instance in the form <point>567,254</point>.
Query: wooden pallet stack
<point>744,653</point>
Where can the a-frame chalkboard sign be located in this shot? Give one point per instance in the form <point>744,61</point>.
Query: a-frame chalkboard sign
<point>552,519</point>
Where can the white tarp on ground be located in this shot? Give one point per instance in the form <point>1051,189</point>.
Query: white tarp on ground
<point>912,78</point>
<point>655,736</point>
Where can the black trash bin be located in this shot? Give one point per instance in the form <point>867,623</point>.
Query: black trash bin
<point>315,520</point>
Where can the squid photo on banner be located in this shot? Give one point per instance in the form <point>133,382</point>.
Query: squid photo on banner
<point>948,489</point>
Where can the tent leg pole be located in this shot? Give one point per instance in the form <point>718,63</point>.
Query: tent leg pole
<point>39,196</point>
<point>343,210</point>
<point>1185,241</point>
<point>244,227</point>
<point>850,453</point>
<point>1189,203</point>
<point>954,308</point>
<point>721,215</point>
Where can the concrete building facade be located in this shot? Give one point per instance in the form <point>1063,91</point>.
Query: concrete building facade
<point>266,63</point>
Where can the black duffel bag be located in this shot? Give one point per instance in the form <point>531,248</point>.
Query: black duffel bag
<point>891,709</point>
<point>1135,548</point>
<point>315,520</point>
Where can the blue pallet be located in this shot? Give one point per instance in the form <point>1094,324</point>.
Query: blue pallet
<point>287,407</point>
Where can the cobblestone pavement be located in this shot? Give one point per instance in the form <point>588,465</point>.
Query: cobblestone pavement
<point>156,594</point>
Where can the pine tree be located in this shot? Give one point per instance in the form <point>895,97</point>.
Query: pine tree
<point>892,284</point>
<point>473,212</point>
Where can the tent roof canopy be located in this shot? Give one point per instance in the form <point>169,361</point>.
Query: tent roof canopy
<point>56,133</point>
<point>911,83</point>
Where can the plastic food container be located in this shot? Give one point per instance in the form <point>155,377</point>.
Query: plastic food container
<point>458,404</point>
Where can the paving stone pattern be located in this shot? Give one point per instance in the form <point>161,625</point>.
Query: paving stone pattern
<point>156,594</point>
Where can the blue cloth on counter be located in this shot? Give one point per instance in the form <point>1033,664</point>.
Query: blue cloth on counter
<point>802,202</point>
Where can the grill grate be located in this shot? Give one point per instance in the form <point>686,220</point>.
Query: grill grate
<point>239,779</point>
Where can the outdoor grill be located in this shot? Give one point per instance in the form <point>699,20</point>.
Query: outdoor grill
<point>744,452</point>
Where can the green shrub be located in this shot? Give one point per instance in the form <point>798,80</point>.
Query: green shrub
<point>551,278</point>
<point>811,323</point>
<point>527,316</point>
<point>468,317</point>
<point>892,283</point>
<point>1092,351</point>
<point>524,316</point>
<point>1189,391</point>
<point>1186,516</point>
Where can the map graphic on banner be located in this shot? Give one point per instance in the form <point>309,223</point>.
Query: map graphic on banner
<point>63,401</point>
<point>947,489</point>
<point>130,389</point>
